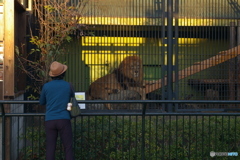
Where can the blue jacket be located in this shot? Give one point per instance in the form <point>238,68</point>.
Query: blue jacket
<point>55,95</point>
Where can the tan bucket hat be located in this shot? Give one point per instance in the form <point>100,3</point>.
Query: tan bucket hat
<point>57,69</point>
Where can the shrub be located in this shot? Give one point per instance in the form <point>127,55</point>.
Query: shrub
<point>165,137</point>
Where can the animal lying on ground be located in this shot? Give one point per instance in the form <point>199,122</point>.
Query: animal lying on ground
<point>128,76</point>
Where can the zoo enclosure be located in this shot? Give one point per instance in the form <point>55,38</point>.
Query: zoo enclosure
<point>126,134</point>
<point>169,36</point>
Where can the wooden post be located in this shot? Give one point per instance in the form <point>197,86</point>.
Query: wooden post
<point>1,49</point>
<point>9,37</point>
<point>8,66</point>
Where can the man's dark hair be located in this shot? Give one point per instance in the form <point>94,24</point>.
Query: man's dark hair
<point>59,77</point>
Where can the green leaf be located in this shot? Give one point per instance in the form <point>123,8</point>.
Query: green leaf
<point>17,50</point>
<point>68,38</point>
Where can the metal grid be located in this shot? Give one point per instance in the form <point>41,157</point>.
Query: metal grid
<point>135,137</point>
<point>169,37</point>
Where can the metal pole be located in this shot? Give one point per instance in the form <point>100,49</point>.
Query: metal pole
<point>232,63</point>
<point>169,52</point>
<point>176,91</point>
<point>143,130</point>
<point>3,131</point>
<point>238,33</point>
<point>163,50</point>
<point>238,62</point>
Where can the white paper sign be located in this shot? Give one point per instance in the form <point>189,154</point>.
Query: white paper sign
<point>80,96</point>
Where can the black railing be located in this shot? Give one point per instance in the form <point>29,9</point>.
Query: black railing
<point>113,134</point>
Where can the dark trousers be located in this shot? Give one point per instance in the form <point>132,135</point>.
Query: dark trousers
<point>63,127</point>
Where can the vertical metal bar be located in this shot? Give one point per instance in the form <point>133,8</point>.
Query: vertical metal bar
<point>143,130</point>
<point>88,134</point>
<point>129,136</point>
<point>32,135</point>
<point>109,134</point>
<point>116,138</point>
<point>238,32</point>
<point>163,137</point>
<point>149,136</point>
<point>222,129</point>
<point>235,130</point>
<point>136,119</point>
<point>189,130</point>
<point>123,134</point>
<point>74,138</point>
<point>39,133</point>
<point>169,53</point>
<point>238,63</point>
<point>232,63</point>
<point>156,142</point>
<point>176,52</point>
<point>177,136</point>
<point>183,130</point>
<point>169,137</point>
<point>209,133</point>
<point>3,131</point>
<point>196,122</point>
<point>203,117</point>
<point>228,132</point>
<point>163,68</point>
<point>95,135</point>
<point>18,133</point>
<point>215,132</point>
<point>102,147</point>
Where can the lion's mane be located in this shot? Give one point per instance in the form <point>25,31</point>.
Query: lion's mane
<point>128,76</point>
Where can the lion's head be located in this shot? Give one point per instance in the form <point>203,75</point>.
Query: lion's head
<point>132,68</point>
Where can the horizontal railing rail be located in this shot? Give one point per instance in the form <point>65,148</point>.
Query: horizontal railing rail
<point>109,112</point>
<point>131,101</point>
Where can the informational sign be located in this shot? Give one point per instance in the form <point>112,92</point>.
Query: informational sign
<point>80,96</point>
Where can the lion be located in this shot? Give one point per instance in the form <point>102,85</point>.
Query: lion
<point>128,76</point>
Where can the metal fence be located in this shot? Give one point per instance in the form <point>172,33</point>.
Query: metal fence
<point>185,44</point>
<point>128,134</point>
<point>180,42</point>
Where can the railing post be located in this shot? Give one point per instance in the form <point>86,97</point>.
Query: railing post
<point>143,130</point>
<point>238,63</point>
<point>232,63</point>
<point>170,54</point>
<point>3,131</point>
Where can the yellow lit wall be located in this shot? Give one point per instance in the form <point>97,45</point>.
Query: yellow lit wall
<point>154,21</point>
<point>102,61</point>
<point>103,54</point>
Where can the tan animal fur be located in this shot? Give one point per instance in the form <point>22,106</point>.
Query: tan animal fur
<point>128,76</point>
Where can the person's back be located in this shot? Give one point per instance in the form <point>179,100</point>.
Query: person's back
<point>55,95</point>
